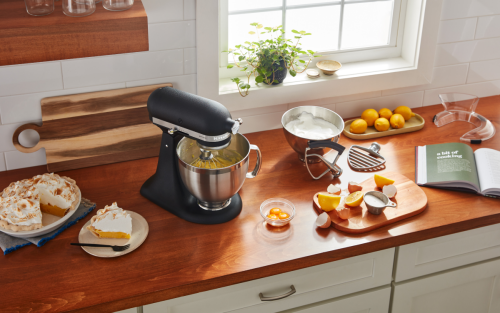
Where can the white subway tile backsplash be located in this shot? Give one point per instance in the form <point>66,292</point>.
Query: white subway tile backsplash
<point>28,78</point>
<point>259,111</point>
<point>443,76</point>
<point>24,108</point>
<point>189,9</point>
<point>6,132</point>
<point>457,30</point>
<point>3,166</point>
<point>263,122</point>
<point>468,51</point>
<point>482,71</point>
<point>16,159</point>
<point>468,8</point>
<point>175,35</point>
<point>488,26</point>
<point>185,83</point>
<point>355,108</point>
<point>122,68</point>
<point>190,61</point>
<point>161,11</point>
<point>484,89</point>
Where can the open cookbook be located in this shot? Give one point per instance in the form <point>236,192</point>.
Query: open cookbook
<point>455,166</point>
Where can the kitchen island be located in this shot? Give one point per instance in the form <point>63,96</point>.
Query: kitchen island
<point>180,258</point>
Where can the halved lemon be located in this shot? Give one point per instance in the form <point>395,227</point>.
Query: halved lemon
<point>354,199</point>
<point>382,181</point>
<point>328,202</point>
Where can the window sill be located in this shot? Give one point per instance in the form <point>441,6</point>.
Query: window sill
<point>348,71</point>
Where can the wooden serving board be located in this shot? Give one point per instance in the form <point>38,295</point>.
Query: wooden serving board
<point>415,123</point>
<point>410,199</point>
<point>95,128</point>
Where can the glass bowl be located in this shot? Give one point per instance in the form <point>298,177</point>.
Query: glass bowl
<point>285,206</point>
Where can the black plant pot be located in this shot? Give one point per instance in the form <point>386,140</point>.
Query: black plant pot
<point>279,75</point>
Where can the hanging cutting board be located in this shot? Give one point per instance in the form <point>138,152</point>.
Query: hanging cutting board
<point>410,199</point>
<point>95,128</point>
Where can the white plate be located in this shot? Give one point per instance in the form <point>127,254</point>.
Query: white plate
<point>50,222</point>
<point>140,230</point>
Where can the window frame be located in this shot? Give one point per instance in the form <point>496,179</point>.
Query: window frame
<point>414,67</point>
<point>391,49</point>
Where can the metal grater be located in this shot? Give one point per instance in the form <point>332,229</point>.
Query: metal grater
<point>360,160</point>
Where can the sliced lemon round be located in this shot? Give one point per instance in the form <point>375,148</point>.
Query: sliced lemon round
<point>354,199</point>
<point>382,181</point>
<point>328,202</point>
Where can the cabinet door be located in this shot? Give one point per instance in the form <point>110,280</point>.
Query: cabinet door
<point>447,252</point>
<point>472,289</point>
<point>376,301</point>
<point>312,284</point>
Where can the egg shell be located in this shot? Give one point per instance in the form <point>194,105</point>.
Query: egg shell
<point>334,189</point>
<point>323,220</point>
<point>353,187</point>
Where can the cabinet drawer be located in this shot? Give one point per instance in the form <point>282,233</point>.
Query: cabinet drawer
<point>447,252</point>
<point>472,289</point>
<point>330,280</point>
<point>376,301</point>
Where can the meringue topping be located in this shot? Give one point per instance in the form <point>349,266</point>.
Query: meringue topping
<point>55,190</point>
<point>112,219</point>
<point>19,211</point>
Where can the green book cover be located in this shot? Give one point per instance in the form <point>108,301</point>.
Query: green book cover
<point>451,162</point>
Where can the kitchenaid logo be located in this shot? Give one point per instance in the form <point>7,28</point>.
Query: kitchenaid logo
<point>222,137</point>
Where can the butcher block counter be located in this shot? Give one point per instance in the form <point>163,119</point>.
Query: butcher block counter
<point>179,258</point>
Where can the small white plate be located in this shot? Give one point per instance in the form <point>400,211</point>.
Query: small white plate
<point>140,230</point>
<point>50,222</point>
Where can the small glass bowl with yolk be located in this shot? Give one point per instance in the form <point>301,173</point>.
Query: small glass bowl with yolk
<point>277,212</point>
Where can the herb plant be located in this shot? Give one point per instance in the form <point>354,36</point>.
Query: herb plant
<point>264,58</point>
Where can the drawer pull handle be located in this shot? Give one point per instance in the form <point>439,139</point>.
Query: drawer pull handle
<point>291,292</point>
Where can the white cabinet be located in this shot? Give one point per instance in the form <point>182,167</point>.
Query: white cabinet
<point>312,285</point>
<point>132,310</point>
<point>447,252</point>
<point>472,289</point>
<point>376,301</point>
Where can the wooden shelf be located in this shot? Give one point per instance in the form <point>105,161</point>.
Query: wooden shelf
<point>27,39</point>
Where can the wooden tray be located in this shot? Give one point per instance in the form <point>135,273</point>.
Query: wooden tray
<point>410,199</point>
<point>95,128</point>
<point>415,123</point>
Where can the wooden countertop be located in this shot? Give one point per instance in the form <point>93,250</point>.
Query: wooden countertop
<point>180,258</point>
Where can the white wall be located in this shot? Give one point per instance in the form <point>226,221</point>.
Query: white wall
<point>468,60</point>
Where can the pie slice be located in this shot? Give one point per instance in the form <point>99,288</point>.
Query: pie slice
<point>19,214</point>
<point>58,195</point>
<point>111,222</point>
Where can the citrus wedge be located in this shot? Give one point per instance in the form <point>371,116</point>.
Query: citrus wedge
<point>382,181</point>
<point>328,202</point>
<point>354,199</point>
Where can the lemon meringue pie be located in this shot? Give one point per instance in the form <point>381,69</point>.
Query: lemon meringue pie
<point>111,222</point>
<point>22,202</point>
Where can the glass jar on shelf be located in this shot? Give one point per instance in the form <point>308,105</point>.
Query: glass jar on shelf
<point>78,8</point>
<point>39,7</point>
<point>117,5</point>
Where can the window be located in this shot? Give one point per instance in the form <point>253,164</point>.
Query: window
<point>339,26</point>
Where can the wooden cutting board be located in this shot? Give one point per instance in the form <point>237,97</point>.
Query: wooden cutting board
<point>410,198</point>
<point>415,123</point>
<point>95,128</point>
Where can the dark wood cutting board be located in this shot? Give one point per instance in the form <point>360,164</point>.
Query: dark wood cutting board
<point>95,128</point>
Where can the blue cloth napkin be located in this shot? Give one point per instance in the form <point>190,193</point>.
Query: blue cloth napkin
<point>9,243</point>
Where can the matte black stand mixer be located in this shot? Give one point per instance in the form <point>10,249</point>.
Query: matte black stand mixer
<point>203,159</point>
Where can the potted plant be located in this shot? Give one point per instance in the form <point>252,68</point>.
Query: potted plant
<point>269,60</point>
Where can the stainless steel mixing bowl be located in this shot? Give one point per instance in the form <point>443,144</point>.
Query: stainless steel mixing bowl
<point>214,187</point>
<point>299,144</point>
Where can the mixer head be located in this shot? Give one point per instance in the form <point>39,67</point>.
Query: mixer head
<point>204,120</point>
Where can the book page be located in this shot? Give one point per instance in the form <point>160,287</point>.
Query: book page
<point>450,162</point>
<point>488,168</point>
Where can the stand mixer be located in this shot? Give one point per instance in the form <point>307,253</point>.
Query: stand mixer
<point>203,159</point>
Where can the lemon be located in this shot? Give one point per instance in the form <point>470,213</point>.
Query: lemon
<point>385,112</point>
<point>358,126</point>
<point>381,124</point>
<point>328,202</point>
<point>404,111</point>
<point>354,199</point>
<point>382,181</point>
<point>397,121</point>
<point>369,115</point>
